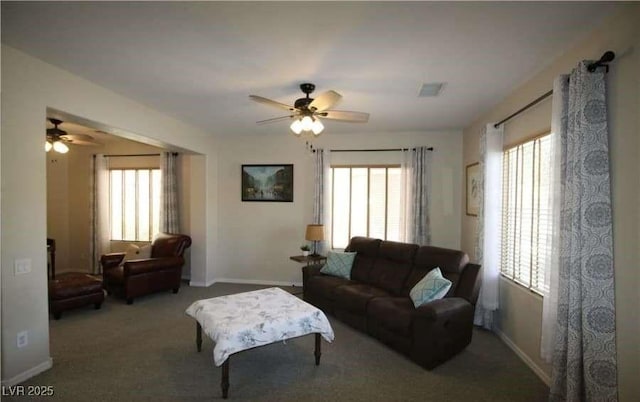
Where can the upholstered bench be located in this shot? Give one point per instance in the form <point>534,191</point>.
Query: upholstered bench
<point>74,289</point>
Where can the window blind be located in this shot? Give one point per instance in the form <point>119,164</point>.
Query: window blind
<point>526,223</point>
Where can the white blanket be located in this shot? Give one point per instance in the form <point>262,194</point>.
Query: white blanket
<point>246,320</point>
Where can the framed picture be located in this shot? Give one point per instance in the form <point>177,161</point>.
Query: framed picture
<point>271,183</point>
<point>473,189</point>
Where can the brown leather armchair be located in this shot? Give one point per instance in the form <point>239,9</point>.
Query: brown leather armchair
<point>163,271</point>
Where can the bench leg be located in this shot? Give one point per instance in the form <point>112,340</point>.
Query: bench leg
<point>198,336</point>
<point>317,352</point>
<point>224,384</point>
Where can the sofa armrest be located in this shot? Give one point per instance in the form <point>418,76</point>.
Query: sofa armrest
<point>137,267</point>
<point>440,329</point>
<point>111,260</point>
<point>442,309</point>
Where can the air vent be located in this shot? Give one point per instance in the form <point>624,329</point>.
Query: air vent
<point>431,89</point>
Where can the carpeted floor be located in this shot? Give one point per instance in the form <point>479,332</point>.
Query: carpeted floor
<point>146,352</point>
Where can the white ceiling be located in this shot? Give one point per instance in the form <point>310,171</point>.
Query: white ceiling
<point>200,61</point>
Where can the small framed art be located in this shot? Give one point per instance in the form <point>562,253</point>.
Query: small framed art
<point>473,189</point>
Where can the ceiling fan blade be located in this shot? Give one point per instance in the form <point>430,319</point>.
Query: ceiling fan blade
<point>77,137</point>
<point>324,101</point>
<point>343,115</point>
<point>271,102</point>
<point>275,119</point>
<point>80,142</point>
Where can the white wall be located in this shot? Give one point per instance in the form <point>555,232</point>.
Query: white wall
<point>257,238</point>
<point>29,87</point>
<point>520,314</point>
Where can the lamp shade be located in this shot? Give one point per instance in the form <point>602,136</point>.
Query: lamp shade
<point>315,232</point>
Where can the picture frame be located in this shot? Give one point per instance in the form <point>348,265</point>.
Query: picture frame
<point>473,189</point>
<point>267,183</point>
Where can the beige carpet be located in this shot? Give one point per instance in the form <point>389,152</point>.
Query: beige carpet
<point>146,352</point>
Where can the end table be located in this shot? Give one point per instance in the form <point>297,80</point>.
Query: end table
<point>309,259</point>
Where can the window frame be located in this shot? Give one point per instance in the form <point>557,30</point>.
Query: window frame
<point>123,217</point>
<point>386,198</point>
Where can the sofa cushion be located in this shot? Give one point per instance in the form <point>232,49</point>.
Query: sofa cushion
<point>450,262</point>
<point>135,252</point>
<point>339,264</point>
<point>393,265</point>
<point>367,251</point>
<point>433,286</point>
<point>325,285</point>
<point>354,298</point>
<point>393,313</point>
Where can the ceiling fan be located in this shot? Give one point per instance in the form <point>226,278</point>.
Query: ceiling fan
<point>306,112</point>
<point>58,139</point>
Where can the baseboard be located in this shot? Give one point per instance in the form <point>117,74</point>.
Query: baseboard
<point>259,282</point>
<point>526,359</point>
<point>25,375</point>
<point>202,284</point>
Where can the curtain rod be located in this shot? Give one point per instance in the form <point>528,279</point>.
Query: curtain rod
<point>134,155</point>
<point>606,58</point>
<point>373,150</point>
<point>377,150</point>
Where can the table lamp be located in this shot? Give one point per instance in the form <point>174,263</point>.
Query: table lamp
<point>315,233</point>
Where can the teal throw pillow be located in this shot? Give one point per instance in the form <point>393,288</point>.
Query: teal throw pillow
<point>433,286</point>
<point>339,264</point>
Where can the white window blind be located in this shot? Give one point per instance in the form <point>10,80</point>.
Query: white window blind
<point>135,204</point>
<point>365,202</point>
<point>526,220</point>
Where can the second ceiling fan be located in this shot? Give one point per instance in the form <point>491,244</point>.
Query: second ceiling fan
<point>307,112</point>
<point>57,139</point>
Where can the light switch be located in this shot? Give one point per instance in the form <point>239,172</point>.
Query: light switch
<point>23,339</point>
<point>22,266</point>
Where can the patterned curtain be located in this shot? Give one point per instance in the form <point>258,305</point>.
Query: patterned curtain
<point>322,195</point>
<point>169,212</point>
<point>406,228</point>
<point>584,359</point>
<point>318,186</point>
<point>420,183</point>
<point>100,214</point>
<point>489,225</point>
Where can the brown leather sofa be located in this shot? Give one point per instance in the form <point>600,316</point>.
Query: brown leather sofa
<point>376,298</point>
<point>134,278</point>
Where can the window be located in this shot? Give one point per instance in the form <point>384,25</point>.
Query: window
<point>366,202</point>
<point>135,204</point>
<point>526,212</point>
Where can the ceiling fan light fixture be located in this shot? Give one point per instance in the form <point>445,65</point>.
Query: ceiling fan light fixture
<point>307,123</point>
<point>296,127</point>
<point>307,112</point>
<point>60,147</point>
<point>317,127</point>
<point>47,146</point>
